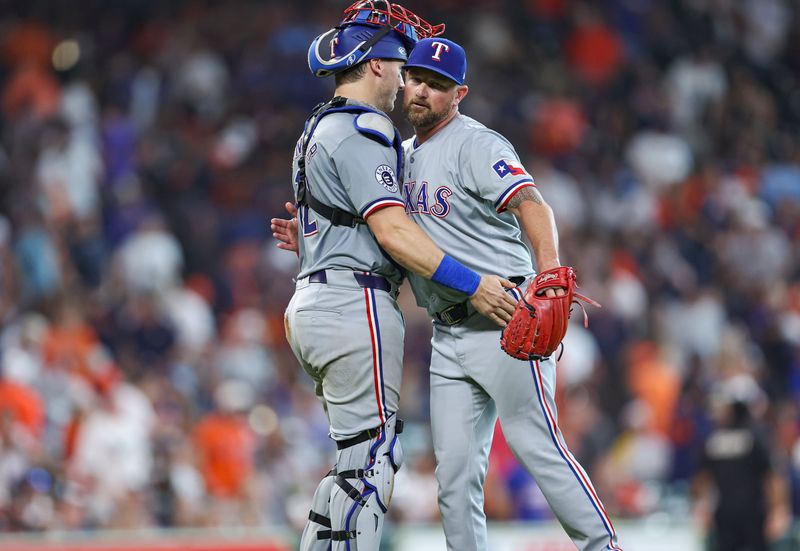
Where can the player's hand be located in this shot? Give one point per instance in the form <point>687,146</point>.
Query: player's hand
<point>553,292</point>
<point>492,300</point>
<point>285,230</point>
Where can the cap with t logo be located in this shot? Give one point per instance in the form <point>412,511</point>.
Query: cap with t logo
<point>440,55</point>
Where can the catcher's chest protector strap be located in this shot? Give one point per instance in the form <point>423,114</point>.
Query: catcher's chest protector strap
<point>370,123</point>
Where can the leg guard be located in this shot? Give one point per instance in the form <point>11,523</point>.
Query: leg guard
<point>317,533</point>
<point>363,487</point>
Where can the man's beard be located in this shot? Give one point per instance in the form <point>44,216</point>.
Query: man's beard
<point>423,117</point>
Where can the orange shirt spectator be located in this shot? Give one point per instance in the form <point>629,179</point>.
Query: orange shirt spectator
<point>225,447</point>
<point>560,126</point>
<point>29,43</point>
<point>655,382</point>
<point>24,405</point>
<point>70,343</point>
<point>31,88</point>
<point>594,50</point>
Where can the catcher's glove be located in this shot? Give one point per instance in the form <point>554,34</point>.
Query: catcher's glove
<point>539,322</point>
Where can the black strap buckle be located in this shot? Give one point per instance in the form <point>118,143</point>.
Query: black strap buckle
<point>357,473</point>
<point>343,535</point>
<point>339,217</point>
<point>453,315</point>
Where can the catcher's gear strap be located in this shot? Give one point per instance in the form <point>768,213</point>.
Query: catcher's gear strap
<point>367,123</point>
<point>368,434</point>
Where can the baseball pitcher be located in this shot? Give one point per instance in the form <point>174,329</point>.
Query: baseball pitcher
<point>465,186</point>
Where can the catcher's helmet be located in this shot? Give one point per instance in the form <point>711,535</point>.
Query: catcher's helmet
<point>369,29</point>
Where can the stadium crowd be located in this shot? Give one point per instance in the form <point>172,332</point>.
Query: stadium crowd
<point>144,376</point>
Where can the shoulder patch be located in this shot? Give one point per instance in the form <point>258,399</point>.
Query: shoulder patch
<point>504,167</point>
<point>375,126</point>
<point>384,174</point>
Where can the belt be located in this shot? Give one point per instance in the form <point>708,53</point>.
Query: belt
<point>366,281</point>
<point>455,314</point>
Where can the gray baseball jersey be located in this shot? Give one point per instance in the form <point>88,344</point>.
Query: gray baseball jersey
<point>346,169</point>
<point>456,186</point>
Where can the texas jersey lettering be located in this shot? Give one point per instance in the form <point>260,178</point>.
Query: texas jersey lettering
<point>418,200</point>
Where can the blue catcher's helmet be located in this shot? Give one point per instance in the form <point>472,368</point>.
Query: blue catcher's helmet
<point>370,29</point>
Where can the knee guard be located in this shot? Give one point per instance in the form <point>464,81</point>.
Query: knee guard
<point>363,487</point>
<point>317,533</point>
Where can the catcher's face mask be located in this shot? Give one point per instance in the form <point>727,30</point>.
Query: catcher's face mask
<point>369,29</point>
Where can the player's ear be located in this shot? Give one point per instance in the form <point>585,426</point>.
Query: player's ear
<point>376,66</point>
<point>461,93</point>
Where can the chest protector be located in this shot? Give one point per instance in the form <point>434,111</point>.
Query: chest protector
<point>369,122</point>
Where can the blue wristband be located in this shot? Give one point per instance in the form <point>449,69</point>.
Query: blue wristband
<point>451,273</point>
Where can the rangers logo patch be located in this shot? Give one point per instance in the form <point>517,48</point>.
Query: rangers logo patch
<point>385,176</point>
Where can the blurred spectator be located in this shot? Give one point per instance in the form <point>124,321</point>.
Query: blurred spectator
<point>414,498</point>
<point>243,354</point>
<point>8,275</point>
<point>150,260</point>
<point>22,406</point>
<point>67,174</point>
<point>593,48</point>
<point>637,463</point>
<point>751,506</point>
<point>39,259</point>
<point>225,448</point>
<point>191,316</point>
<point>112,457</point>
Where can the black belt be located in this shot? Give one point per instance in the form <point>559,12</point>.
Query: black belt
<point>456,313</point>
<point>366,281</point>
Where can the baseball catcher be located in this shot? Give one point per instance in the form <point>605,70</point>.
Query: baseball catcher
<point>539,322</point>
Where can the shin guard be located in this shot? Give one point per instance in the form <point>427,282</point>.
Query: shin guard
<point>363,487</point>
<point>317,533</point>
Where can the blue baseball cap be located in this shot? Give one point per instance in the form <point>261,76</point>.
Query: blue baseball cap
<point>439,55</point>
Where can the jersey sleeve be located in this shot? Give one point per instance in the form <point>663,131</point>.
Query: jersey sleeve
<point>495,169</point>
<point>367,170</point>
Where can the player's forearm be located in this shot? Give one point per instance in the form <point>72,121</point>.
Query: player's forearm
<point>539,226</point>
<point>405,241</point>
<point>414,250</point>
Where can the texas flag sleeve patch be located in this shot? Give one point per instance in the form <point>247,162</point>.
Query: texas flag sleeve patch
<point>503,168</point>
